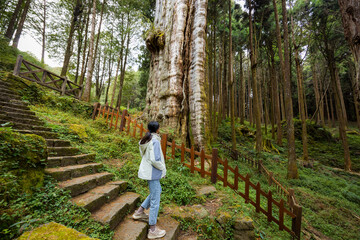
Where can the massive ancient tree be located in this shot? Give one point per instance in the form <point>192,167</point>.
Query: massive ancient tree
<point>176,87</point>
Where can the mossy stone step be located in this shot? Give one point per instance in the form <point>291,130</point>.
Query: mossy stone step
<point>15,105</point>
<point>57,143</point>
<point>16,110</point>
<point>8,118</point>
<point>70,160</point>
<point>5,84</point>
<point>95,198</point>
<point>73,171</point>
<point>9,96</point>
<point>21,126</point>
<point>83,184</point>
<point>114,212</point>
<point>23,116</point>
<point>62,151</point>
<point>44,134</point>
<point>7,90</point>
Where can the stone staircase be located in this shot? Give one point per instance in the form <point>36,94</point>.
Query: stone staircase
<point>107,200</point>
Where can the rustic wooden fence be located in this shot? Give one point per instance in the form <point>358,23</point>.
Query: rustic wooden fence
<point>45,78</point>
<point>258,164</point>
<point>216,168</point>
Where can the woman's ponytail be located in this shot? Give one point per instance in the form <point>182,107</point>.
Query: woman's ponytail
<point>153,126</point>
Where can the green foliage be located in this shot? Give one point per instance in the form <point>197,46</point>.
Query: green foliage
<point>22,163</point>
<point>46,204</point>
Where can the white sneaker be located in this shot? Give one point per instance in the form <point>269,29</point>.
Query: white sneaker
<point>157,233</point>
<point>137,216</point>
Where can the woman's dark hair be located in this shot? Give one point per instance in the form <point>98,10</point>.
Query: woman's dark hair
<point>153,126</point>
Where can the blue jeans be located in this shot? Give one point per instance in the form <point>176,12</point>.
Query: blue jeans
<point>153,201</point>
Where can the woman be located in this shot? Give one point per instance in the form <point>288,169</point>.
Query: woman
<point>152,168</point>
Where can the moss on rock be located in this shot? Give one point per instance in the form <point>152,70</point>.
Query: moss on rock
<point>22,162</point>
<point>54,231</point>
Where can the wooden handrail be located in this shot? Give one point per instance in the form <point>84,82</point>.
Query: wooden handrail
<point>231,177</point>
<point>47,79</point>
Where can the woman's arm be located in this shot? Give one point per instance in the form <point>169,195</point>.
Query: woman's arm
<point>157,153</point>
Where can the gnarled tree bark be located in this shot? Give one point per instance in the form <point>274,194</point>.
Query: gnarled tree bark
<point>176,87</point>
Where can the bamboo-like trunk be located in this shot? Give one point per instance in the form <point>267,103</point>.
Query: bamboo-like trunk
<point>21,24</point>
<point>87,90</point>
<point>14,17</point>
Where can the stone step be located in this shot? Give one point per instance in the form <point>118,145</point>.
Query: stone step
<point>4,83</point>
<point>21,126</point>
<point>70,160</point>
<point>44,134</point>
<point>83,184</point>
<point>8,118</point>
<point>73,171</point>
<point>130,229</point>
<point>8,96</point>
<point>14,104</point>
<point>62,151</point>
<point>23,116</point>
<point>57,143</point>
<point>16,110</point>
<point>5,89</point>
<point>95,198</point>
<point>114,212</point>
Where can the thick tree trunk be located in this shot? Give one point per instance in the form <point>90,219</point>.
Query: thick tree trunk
<point>11,27</point>
<point>176,87</point>
<point>257,110</point>
<point>68,51</point>
<point>21,24</point>
<point>87,90</point>
<point>350,12</point>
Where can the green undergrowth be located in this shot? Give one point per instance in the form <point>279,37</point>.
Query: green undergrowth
<point>329,197</point>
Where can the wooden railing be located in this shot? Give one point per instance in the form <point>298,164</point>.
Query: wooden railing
<point>214,167</point>
<point>258,164</point>
<point>45,78</point>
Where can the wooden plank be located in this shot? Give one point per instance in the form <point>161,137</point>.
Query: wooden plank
<point>17,67</point>
<point>107,114</point>
<point>32,71</point>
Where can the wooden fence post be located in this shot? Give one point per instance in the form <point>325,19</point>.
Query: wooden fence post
<point>135,127</point>
<point>96,106</point>
<point>214,158</point>
<point>257,202</point>
<point>225,172</point>
<point>164,138</point>
<point>63,86</point>
<point>269,206</point>
<point>173,149</point>
<point>18,65</point>
<point>247,184</point>
<point>123,120</point>
<point>236,180</point>
<point>192,159</point>
<point>202,159</point>
<point>281,215</point>
<point>270,178</point>
<point>296,221</point>
<point>117,118</point>
<point>141,130</point>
